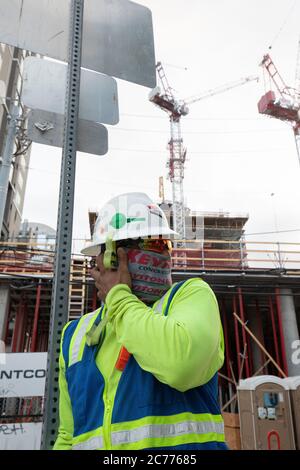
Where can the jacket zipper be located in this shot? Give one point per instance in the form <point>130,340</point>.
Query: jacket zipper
<point>108,409</point>
<point>106,425</point>
<point>107,421</point>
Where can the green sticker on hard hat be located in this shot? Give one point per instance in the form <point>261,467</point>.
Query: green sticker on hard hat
<point>119,220</point>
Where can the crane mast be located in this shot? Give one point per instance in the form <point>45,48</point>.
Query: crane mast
<point>297,75</point>
<point>296,127</point>
<point>164,98</point>
<point>176,175</point>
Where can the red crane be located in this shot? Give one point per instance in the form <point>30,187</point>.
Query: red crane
<point>284,104</point>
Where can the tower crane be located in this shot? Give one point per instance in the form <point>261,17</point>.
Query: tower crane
<point>164,98</point>
<point>285,103</point>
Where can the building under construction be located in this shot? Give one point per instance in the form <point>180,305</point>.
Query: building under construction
<point>11,78</point>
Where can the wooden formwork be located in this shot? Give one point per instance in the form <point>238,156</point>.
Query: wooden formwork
<point>232,430</point>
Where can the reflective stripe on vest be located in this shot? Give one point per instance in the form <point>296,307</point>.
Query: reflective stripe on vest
<point>93,443</point>
<point>158,307</point>
<point>158,431</point>
<point>79,336</point>
<point>169,296</point>
<point>166,430</point>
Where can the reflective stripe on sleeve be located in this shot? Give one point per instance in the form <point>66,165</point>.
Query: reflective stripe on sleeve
<point>91,444</point>
<point>166,430</point>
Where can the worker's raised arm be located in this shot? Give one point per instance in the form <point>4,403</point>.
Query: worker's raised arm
<point>183,349</point>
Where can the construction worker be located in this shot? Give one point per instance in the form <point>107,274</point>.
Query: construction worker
<point>141,371</point>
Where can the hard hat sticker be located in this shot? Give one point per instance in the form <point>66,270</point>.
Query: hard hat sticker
<point>154,210</point>
<point>119,220</point>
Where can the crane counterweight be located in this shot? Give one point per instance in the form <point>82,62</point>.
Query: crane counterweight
<point>285,105</point>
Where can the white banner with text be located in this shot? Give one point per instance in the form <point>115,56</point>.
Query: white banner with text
<point>23,374</point>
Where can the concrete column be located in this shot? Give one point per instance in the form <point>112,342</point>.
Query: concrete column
<point>4,304</point>
<point>290,331</point>
<point>255,325</point>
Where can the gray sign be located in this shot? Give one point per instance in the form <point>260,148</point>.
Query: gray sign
<point>117,35</point>
<point>47,128</point>
<point>2,90</point>
<point>44,87</point>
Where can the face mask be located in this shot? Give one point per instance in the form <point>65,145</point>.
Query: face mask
<point>150,274</point>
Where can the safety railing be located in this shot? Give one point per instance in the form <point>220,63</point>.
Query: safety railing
<point>197,255</point>
<point>237,255</point>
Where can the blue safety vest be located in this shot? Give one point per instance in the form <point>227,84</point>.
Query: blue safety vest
<point>146,414</point>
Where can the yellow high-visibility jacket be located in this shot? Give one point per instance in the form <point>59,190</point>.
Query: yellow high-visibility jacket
<point>167,396</point>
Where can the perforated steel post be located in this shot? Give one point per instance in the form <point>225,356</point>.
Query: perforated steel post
<point>60,290</point>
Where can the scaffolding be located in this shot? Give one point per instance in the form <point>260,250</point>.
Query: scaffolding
<point>245,276</point>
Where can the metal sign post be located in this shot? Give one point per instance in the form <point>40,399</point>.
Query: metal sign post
<point>60,291</point>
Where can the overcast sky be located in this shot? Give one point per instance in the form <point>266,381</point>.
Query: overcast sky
<point>235,158</point>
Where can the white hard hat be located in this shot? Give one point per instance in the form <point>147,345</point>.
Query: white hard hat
<point>130,215</point>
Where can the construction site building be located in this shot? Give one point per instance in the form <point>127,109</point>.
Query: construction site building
<point>255,295</point>
<point>223,259</point>
<point>11,69</point>
<point>211,236</point>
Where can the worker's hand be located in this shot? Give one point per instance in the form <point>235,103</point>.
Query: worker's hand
<point>106,279</point>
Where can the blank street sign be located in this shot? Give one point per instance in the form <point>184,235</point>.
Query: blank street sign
<point>47,128</point>
<point>117,35</point>
<point>44,88</point>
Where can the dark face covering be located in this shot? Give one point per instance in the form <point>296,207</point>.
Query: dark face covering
<point>150,273</point>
